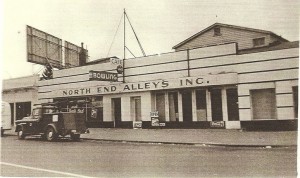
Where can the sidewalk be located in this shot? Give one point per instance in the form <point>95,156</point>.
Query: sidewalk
<point>193,136</point>
<point>196,136</point>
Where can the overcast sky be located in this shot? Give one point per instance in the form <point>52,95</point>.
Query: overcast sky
<point>159,24</point>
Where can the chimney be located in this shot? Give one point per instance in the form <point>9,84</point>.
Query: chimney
<point>82,56</point>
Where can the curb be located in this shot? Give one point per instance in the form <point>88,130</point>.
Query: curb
<point>194,144</point>
<point>207,144</point>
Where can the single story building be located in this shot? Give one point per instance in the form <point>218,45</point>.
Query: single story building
<point>21,93</point>
<point>225,76</point>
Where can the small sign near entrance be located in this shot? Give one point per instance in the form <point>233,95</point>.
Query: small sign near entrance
<point>217,124</point>
<point>103,76</point>
<point>154,114</point>
<point>137,124</point>
<point>154,122</point>
<point>154,119</point>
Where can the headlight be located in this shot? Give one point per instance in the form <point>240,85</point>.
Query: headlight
<point>55,118</point>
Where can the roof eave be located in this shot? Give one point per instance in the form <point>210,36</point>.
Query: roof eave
<point>230,26</point>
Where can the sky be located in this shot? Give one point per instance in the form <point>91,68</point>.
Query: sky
<point>159,24</point>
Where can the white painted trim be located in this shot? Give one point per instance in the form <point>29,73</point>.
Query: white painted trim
<point>194,107</point>
<point>208,106</point>
<point>224,104</point>
<point>180,107</point>
<point>167,113</point>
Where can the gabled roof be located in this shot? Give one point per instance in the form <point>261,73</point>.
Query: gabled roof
<point>229,26</point>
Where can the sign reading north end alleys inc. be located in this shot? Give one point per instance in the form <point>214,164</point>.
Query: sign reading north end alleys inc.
<point>187,82</point>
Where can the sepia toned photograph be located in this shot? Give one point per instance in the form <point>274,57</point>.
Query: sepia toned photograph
<point>156,88</point>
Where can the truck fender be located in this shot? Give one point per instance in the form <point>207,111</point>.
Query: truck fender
<point>51,125</point>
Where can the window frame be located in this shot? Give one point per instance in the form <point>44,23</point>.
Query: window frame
<point>261,41</point>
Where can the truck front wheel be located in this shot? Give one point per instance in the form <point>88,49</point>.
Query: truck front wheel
<point>21,134</point>
<point>75,136</point>
<point>51,134</point>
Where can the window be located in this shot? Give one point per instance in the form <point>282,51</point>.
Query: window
<point>23,109</point>
<point>295,96</point>
<point>95,109</point>
<point>259,41</point>
<point>160,106</point>
<point>263,104</point>
<point>217,31</point>
<point>201,105</point>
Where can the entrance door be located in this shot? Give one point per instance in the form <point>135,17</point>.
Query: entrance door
<point>187,106</point>
<point>136,101</point>
<point>116,102</point>
<point>232,104</point>
<point>216,104</point>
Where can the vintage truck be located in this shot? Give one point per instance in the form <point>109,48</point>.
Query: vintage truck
<point>50,122</point>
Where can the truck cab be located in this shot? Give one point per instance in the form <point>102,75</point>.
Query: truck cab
<point>50,123</point>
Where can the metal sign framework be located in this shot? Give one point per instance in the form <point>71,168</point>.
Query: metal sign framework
<point>46,49</point>
<point>43,48</point>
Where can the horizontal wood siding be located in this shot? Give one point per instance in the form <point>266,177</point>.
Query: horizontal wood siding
<point>235,59</point>
<point>156,59</point>
<point>242,37</point>
<point>268,76</point>
<point>149,77</point>
<point>156,68</point>
<point>219,50</point>
<point>256,66</point>
<point>279,65</point>
<point>84,69</point>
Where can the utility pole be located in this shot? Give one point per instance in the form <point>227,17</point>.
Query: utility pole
<point>124,47</point>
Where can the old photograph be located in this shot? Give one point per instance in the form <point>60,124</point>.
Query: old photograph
<point>156,88</point>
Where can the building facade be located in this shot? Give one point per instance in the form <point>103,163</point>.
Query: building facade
<point>231,84</point>
<point>21,93</point>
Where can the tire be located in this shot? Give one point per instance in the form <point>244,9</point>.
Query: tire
<point>51,134</point>
<point>21,135</point>
<point>75,137</point>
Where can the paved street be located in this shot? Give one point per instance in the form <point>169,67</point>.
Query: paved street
<point>35,157</point>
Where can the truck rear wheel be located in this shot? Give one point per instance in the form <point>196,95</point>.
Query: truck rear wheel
<point>75,136</point>
<point>51,134</point>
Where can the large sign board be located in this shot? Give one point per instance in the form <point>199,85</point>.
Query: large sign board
<point>72,53</point>
<point>43,48</point>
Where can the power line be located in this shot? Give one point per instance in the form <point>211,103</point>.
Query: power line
<point>114,36</point>
<point>135,34</point>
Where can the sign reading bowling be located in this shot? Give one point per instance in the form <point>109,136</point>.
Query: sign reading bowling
<point>103,76</point>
